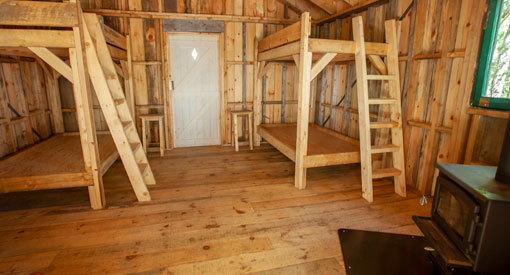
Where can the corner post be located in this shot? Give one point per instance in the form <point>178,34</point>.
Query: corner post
<point>257,98</point>
<point>394,92</point>
<point>83,102</point>
<point>305,66</point>
<point>363,110</point>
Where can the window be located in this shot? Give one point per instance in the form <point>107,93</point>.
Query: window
<point>492,83</point>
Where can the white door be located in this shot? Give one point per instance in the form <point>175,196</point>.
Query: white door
<point>194,68</point>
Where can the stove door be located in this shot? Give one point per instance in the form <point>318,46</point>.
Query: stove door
<point>457,213</point>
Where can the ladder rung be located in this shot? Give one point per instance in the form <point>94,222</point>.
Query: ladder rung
<point>119,101</point>
<point>380,77</point>
<point>384,148</point>
<point>383,124</point>
<point>381,101</point>
<point>126,125</point>
<point>135,146</point>
<point>385,173</point>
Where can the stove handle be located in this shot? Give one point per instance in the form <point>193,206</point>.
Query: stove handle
<point>472,230</point>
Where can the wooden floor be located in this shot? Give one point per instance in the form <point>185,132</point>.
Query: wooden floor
<point>214,211</point>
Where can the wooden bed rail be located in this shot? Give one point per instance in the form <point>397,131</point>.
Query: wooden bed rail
<point>35,13</point>
<point>47,14</point>
<point>289,34</point>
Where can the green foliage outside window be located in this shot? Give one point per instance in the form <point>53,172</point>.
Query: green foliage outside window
<point>492,83</point>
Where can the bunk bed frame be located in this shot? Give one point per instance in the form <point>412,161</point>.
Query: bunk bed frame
<point>310,145</point>
<point>58,161</point>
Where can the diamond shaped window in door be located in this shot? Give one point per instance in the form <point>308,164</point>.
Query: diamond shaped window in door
<point>194,54</point>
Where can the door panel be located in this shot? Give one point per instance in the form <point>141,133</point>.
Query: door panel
<point>194,65</point>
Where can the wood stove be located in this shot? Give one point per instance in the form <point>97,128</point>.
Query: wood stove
<point>469,226</point>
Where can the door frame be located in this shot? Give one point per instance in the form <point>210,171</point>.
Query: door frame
<point>168,95</point>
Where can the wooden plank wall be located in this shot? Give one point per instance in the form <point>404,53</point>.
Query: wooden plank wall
<point>69,110</point>
<point>24,110</point>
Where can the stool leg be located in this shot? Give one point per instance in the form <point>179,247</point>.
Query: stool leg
<point>235,133</point>
<point>232,129</point>
<point>161,138</point>
<point>250,132</point>
<point>144,135</point>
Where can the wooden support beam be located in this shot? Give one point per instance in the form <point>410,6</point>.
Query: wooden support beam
<point>279,52</point>
<point>454,54</point>
<point>119,70</point>
<point>263,69</point>
<point>190,16</point>
<point>85,117</point>
<point>326,5</point>
<point>38,13</point>
<point>287,35</point>
<point>54,61</point>
<point>36,38</point>
<point>117,53</point>
<point>319,45</point>
<point>321,63</point>
<point>296,59</point>
<point>363,118</point>
<point>257,93</point>
<point>130,96</point>
<point>300,6</point>
<point>395,109</point>
<point>378,64</point>
<point>114,38</point>
<point>428,126</point>
<point>24,52</point>
<point>305,65</point>
<point>488,112</point>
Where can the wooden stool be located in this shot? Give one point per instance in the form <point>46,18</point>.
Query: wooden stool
<point>146,119</point>
<point>235,137</point>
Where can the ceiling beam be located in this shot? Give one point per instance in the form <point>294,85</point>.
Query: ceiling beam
<point>350,2</point>
<point>190,16</point>
<point>326,5</point>
<point>352,10</point>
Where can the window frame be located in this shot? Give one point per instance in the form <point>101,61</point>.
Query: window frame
<point>484,61</point>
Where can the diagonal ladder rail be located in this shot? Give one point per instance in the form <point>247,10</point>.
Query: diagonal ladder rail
<point>365,125</point>
<point>115,108</point>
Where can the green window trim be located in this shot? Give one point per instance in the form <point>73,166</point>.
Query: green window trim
<point>485,57</point>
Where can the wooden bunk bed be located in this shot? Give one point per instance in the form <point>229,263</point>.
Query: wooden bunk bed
<point>325,147</point>
<point>310,145</point>
<point>53,163</point>
<point>70,160</point>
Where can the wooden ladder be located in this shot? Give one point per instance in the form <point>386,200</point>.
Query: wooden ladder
<point>395,123</point>
<point>115,108</point>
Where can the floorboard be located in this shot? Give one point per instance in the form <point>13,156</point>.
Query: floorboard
<point>214,211</point>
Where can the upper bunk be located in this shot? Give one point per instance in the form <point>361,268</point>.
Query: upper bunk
<point>49,25</point>
<point>285,45</point>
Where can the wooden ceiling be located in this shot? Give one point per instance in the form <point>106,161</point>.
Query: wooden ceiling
<point>319,8</point>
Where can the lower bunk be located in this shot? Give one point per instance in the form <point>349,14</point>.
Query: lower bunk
<point>325,147</point>
<point>54,163</point>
